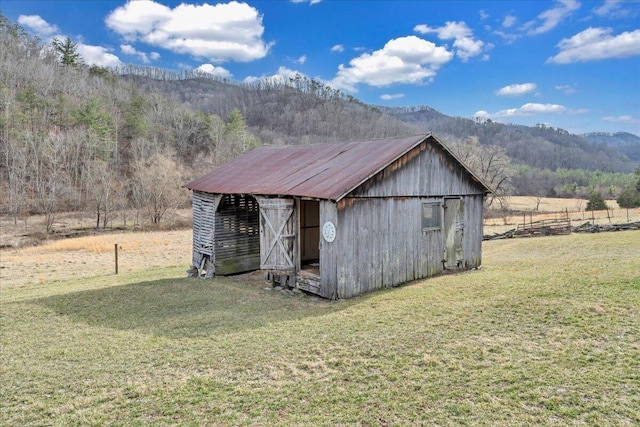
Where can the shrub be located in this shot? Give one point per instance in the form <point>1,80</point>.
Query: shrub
<point>596,202</point>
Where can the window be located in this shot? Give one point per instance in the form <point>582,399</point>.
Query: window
<point>430,216</point>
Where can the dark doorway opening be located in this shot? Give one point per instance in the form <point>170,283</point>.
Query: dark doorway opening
<point>310,236</point>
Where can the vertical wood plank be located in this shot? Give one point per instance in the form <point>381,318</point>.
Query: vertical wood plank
<point>329,251</point>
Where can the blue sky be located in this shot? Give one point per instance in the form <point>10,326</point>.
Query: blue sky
<point>566,63</point>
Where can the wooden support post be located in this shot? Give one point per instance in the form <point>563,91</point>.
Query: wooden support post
<point>116,253</point>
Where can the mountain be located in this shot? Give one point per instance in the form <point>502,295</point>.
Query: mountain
<point>539,147</point>
<point>302,110</point>
<point>298,111</point>
<point>625,142</point>
<point>618,138</point>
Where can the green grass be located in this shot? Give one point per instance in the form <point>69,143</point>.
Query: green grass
<point>547,332</point>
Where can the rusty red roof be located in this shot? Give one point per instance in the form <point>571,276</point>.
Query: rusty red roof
<point>323,171</point>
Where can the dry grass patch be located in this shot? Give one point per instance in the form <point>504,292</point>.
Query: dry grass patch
<point>94,255</point>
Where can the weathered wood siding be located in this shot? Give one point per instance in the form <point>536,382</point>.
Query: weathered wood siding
<point>380,243</point>
<point>330,252</point>
<point>453,229</point>
<point>472,234</point>
<point>424,171</point>
<point>236,239</point>
<point>204,208</point>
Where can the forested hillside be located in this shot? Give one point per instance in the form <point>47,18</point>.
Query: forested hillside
<point>533,160</point>
<point>626,143</point>
<point>78,137</point>
<point>294,111</point>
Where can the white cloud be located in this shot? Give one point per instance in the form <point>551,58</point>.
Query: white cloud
<point>221,32</point>
<point>483,14</point>
<point>337,48</point>
<point>128,49</point>
<point>283,75</point>
<point>216,71</point>
<point>38,25</point>
<point>98,55</point>
<point>91,55</point>
<point>516,89</point>
<point>311,2</point>
<point>597,43</point>
<point>622,119</point>
<point>566,89</point>
<point>301,60</point>
<point>534,108</point>
<point>465,44</point>
<point>389,97</point>
<point>403,60</point>
<point>611,9</point>
<point>509,21</point>
<point>508,37</point>
<point>528,109</point>
<point>550,18</point>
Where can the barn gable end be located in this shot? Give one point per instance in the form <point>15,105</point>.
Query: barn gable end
<point>425,170</point>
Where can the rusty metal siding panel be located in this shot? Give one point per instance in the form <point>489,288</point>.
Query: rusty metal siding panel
<point>323,171</point>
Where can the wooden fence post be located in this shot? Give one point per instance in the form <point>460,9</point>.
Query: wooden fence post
<point>116,252</point>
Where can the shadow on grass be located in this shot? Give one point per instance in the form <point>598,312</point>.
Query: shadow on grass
<point>186,307</point>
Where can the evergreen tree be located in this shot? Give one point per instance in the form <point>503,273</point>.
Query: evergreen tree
<point>68,52</point>
<point>596,202</point>
<point>630,196</point>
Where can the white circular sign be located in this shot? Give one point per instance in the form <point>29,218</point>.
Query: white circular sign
<point>329,231</point>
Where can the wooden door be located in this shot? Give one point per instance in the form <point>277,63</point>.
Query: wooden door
<point>453,233</point>
<point>277,235</point>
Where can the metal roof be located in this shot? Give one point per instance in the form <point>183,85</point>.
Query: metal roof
<point>323,171</point>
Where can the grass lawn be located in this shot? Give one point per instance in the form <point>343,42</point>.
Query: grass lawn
<point>547,332</point>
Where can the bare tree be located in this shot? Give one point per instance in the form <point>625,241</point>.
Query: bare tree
<point>490,163</point>
<point>537,199</point>
<point>157,186</point>
<point>104,190</point>
<point>52,179</point>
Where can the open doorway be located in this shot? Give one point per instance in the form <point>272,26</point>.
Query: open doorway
<point>310,236</point>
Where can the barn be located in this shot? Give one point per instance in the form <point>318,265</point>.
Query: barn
<point>340,219</point>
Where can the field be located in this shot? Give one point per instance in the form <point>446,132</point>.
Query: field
<point>545,333</point>
<point>523,208</point>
